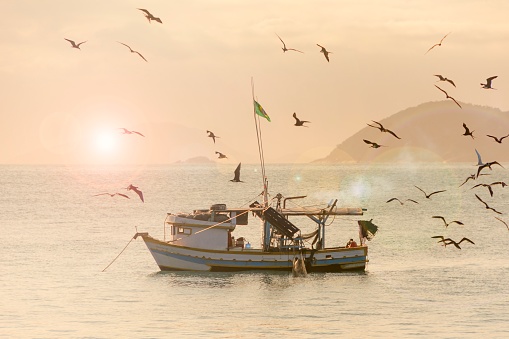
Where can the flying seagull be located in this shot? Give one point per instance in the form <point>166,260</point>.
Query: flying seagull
<point>373,144</point>
<point>74,45</point>
<point>499,140</point>
<point>112,195</point>
<point>471,176</point>
<point>503,222</point>
<point>126,131</point>
<point>439,44</point>
<point>133,51</point>
<point>467,131</point>
<point>213,136</point>
<point>135,189</point>
<point>479,160</point>
<point>324,51</point>
<point>449,241</point>
<point>486,205</point>
<point>428,195</point>
<point>488,164</point>
<point>220,155</point>
<point>441,78</point>
<point>149,16</point>
<point>485,185</point>
<point>487,85</point>
<point>382,129</point>
<point>299,122</point>
<point>448,97</point>
<point>287,49</point>
<point>236,177</point>
<point>447,223</point>
<point>401,202</point>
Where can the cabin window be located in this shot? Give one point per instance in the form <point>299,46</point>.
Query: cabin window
<point>184,230</point>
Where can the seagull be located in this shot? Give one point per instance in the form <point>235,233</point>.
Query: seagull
<point>499,140</point>
<point>449,241</point>
<point>287,49</point>
<point>74,45</point>
<point>126,131</point>
<point>400,202</point>
<point>439,44</point>
<point>447,223</point>
<point>479,160</point>
<point>485,185</point>
<point>220,155</point>
<point>382,129</point>
<point>499,183</point>
<point>428,195</point>
<point>486,205</point>
<point>133,51</point>
<point>135,189</point>
<point>471,176</point>
<point>373,144</point>
<point>236,177</point>
<point>441,78</point>
<point>149,16</point>
<point>213,136</point>
<point>112,195</point>
<point>448,97</point>
<point>487,85</point>
<point>299,122</point>
<point>488,164</point>
<point>325,52</point>
<point>503,222</point>
<point>467,131</point>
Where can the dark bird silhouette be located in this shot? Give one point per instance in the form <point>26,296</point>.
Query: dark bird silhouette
<point>449,241</point>
<point>447,223</point>
<point>401,202</point>
<point>133,51</point>
<point>487,85</point>
<point>488,164</point>
<point>112,195</point>
<point>287,49</point>
<point>441,78</point>
<point>236,177</point>
<point>429,195</point>
<point>325,52</point>
<point>467,131</point>
<point>470,177</point>
<point>75,45</point>
<point>439,44</point>
<point>486,205</point>
<point>126,131</point>
<point>373,144</point>
<point>213,136</point>
<point>299,122</point>
<point>149,16</point>
<point>485,185</point>
<point>136,190</point>
<point>502,221</point>
<point>220,155</point>
<point>499,183</point>
<point>383,129</point>
<point>448,97</point>
<point>499,140</point>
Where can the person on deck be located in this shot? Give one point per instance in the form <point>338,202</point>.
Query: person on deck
<point>351,243</point>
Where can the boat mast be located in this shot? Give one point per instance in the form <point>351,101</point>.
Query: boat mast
<point>260,148</point>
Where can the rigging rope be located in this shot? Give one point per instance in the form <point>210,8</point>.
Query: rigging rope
<point>119,254</point>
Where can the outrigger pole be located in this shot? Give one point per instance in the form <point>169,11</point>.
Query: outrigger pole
<point>260,147</point>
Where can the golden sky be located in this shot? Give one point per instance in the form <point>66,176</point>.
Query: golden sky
<point>63,105</point>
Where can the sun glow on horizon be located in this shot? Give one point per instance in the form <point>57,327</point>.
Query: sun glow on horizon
<point>105,142</point>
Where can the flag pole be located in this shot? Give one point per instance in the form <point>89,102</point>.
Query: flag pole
<point>260,146</point>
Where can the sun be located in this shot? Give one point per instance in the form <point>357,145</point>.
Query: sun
<point>105,142</point>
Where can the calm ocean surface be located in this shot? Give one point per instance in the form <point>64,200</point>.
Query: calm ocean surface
<point>57,238</point>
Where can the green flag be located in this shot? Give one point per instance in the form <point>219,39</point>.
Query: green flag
<point>260,111</point>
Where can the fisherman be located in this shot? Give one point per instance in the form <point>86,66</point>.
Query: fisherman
<point>351,243</point>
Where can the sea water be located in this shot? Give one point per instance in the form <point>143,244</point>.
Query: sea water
<point>57,238</point>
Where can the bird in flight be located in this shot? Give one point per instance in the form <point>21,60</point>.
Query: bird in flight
<point>324,51</point>
<point>428,195</point>
<point>489,186</point>
<point>486,205</point>
<point>448,97</point>
<point>136,190</point>
<point>401,202</point>
<point>499,140</point>
<point>503,222</point>
<point>287,49</point>
<point>112,195</point>
<point>75,45</point>
<point>373,144</point>
<point>488,164</point>
<point>149,16</point>
<point>487,85</point>
<point>470,177</point>
<point>236,177</point>
<point>479,160</point>
<point>449,241</point>
<point>133,51</point>
<point>299,122</point>
<point>447,223</point>
<point>467,131</point>
<point>439,44</point>
<point>382,129</point>
<point>126,131</point>
<point>213,136</point>
<point>220,155</point>
<point>441,78</point>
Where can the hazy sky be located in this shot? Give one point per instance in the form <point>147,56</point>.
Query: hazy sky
<point>64,105</point>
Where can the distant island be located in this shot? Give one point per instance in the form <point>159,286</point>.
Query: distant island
<point>430,132</point>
